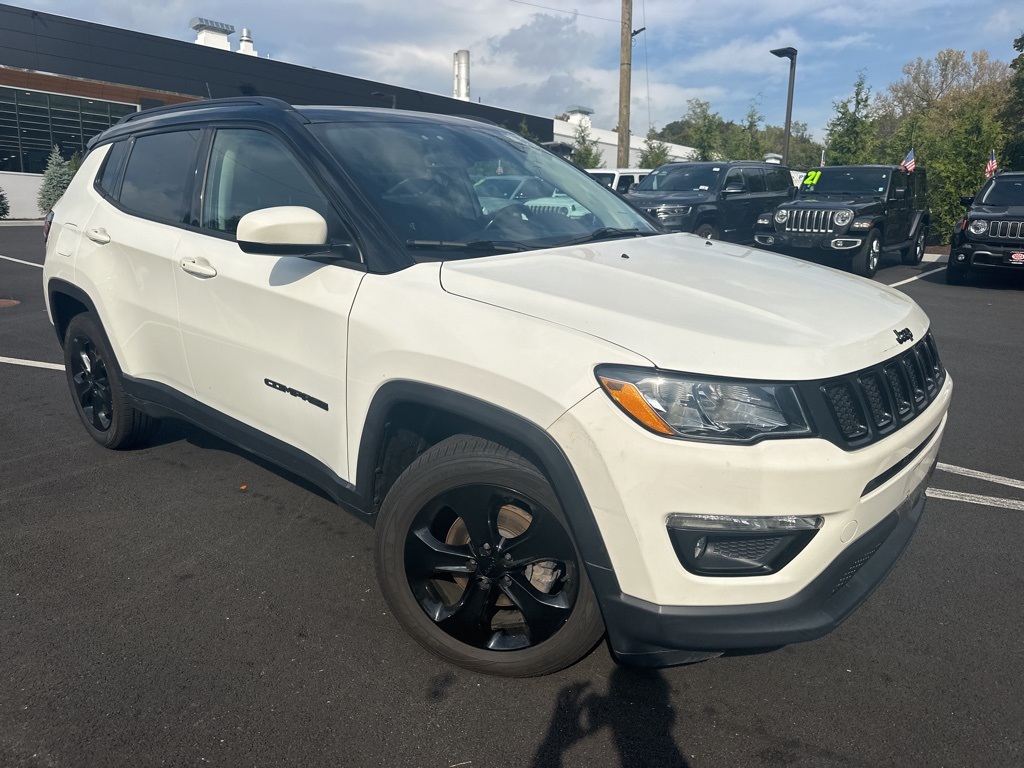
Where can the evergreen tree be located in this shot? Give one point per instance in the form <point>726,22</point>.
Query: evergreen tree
<point>56,179</point>
<point>655,152</point>
<point>5,207</point>
<point>851,133</point>
<point>585,151</point>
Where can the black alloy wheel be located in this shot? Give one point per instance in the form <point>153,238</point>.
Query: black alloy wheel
<point>95,384</point>
<point>476,560</point>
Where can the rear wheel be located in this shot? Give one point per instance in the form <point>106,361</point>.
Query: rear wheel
<point>865,263</point>
<point>915,253</point>
<point>96,388</point>
<point>474,556</point>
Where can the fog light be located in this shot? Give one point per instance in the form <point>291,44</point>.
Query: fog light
<point>961,257</point>
<point>716,545</point>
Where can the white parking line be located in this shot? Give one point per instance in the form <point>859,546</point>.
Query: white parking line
<point>972,498</point>
<point>31,363</point>
<point>19,261</point>
<point>980,475</point>
<point>916,277</point>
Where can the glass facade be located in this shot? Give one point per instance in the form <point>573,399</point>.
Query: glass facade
<point>33,122</point>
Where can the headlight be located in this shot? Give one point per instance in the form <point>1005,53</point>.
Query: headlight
<point>681,405</point>
<point>978,227</point>
<point>842,218</point>
<point>781,216</point>
<point>673,210</point>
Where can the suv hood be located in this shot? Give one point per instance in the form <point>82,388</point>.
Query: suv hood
<point>818,202</point>
<point>996,211</point>
<point>700,306</point>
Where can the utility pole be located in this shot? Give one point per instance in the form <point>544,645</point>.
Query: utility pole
<point>625,66</point>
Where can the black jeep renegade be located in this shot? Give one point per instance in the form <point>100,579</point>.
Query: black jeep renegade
<point>846,216</point>
<point>991,235</point>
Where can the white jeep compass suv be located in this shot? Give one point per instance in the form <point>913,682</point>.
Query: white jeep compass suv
<point>561,427</point>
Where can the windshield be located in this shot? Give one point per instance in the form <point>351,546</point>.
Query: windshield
<point>1003,192</point>
<point>449,189</point>
<point>692,177</point>
<point>846,181</point>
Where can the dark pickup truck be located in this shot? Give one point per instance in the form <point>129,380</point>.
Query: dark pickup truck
<point>846,216</point>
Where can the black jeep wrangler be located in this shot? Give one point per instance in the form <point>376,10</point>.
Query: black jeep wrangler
<point>847,215</point>
<point>991,235</point>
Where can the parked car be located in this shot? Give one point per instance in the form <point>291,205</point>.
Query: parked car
<point>713,200</point>
<point>619,179</point>
<point>847,216</point>
<point>990,238</point>
<point>560,427</point>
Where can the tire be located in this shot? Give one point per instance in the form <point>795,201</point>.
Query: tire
<point>95,383</point>
<point>475,558</point>
<point>707,230</point>
<point>865,263</point>
<point>915,253</point>
<point>955,275</point>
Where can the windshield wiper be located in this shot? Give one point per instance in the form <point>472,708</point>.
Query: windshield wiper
<point>607,233</point>
<point>494,246</point>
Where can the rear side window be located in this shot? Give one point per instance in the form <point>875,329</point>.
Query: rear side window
<point>754,178</point>
<point>158,177</point>
<point>779,180</point>
<point>111,171</point>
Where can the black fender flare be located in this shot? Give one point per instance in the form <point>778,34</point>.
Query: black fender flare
<point>554,463</point>
<point>57,286</point>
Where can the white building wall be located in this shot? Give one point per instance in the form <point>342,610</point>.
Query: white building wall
<point>608,144</point>
<point>22,190</point>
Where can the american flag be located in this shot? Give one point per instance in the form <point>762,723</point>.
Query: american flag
<point>908,163</point>
<point>990,169</point>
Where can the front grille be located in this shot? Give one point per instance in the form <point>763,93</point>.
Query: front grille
<point>869,404</point>
<point>1006,230</point>
<point>818,221</point>
<point>752,549</point>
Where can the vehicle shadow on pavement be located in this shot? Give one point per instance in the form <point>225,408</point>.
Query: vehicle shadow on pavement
<point>637,709</point>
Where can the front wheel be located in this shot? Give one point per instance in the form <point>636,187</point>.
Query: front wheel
<point>707,230</point>
<point>475,558</point>
<point>865,263</point>
<point>95,384</point>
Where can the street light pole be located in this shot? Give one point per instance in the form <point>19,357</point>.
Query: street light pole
<point>787,53</point>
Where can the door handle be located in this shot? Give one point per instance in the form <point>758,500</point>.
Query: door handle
<point>199,267</point>
<point>98,235</point>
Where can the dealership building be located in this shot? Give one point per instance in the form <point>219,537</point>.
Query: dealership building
<point>62,81</point>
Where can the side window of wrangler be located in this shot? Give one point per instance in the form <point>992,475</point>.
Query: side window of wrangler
<point>157,179</point>
<point>250,170</point>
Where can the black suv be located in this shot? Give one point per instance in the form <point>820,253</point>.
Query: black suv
<point>991,235</point>
<point>847,215</point>
<point>713,200</point>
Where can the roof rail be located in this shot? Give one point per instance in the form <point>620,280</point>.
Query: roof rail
<point>266,101</point>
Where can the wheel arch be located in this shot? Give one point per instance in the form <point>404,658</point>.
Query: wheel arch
<point>65,301</point>
<point>406,418</point>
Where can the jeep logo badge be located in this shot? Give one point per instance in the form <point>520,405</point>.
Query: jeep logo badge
<point>904,336</point>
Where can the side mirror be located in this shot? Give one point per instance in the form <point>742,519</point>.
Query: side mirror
<point>967,201</point>
<point>734,189</point>
<point>632,187</point>
<point>287,230</point>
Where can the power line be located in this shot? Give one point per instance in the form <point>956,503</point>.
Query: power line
<point>570,13</point>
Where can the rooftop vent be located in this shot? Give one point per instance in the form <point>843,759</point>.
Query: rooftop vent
<point>212,34</point>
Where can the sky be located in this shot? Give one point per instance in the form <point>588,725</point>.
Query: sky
<point>542,56</point>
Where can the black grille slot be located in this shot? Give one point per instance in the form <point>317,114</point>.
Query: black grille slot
<point>847,410</point>
<point>877,395</point>
<point>900,389</point>
<point>855,566</point>
<point>917,384</point>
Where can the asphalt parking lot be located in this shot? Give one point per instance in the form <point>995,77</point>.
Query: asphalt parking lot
<point>186,604</point>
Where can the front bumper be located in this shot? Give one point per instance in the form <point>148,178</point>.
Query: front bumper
<point>828,245</point>
<point>657,612</point>
<point>1007,256</point>
<point>645,634</point>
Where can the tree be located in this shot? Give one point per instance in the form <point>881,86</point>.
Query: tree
<point>585,151</point>
<point>1013,113</point>
<point>851,133</point>
<point>655,152</point>
<point>5,207</point>
<point>56,179</point>
<point>705,134</point>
